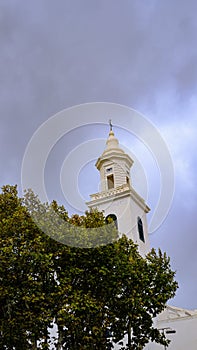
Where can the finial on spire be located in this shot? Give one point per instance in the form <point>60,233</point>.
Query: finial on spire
<point>110,124</point>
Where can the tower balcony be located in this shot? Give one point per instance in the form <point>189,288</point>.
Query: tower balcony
<point>109,193</point>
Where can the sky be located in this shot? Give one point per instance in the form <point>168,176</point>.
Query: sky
<point>139,54</point>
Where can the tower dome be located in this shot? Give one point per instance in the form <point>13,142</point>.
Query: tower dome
<point>112,144</point>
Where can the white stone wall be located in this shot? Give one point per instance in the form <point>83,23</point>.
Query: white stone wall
<point>127,210</point>
<point>184,322</point>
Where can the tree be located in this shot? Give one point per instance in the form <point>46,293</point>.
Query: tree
<point>90,293</point>
<point>27,276</point>
<point>115,288</point>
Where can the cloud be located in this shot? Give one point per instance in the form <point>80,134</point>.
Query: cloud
<point>58,54</point>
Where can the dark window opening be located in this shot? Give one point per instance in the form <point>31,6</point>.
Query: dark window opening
<point>114,218</point>
<point>110,182</point>
<point>140,229</point>
<point>128,182</point>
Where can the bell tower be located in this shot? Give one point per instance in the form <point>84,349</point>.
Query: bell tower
<point>117,198</point>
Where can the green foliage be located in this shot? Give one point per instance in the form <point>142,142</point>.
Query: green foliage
<point>85,291</point>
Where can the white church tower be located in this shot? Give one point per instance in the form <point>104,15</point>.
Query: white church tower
<point>117,197</point>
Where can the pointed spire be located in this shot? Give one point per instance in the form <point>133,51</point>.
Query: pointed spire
<point>112,141</point>
<point>112,150</point>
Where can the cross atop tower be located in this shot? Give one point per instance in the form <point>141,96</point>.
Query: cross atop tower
<point>110,124</point>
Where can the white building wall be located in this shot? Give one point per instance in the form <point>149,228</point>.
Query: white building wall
<point>184,322</point>
<point>185,337</point>
<point>119,173</point>
<point>127,211</point>
<point>118,170</point>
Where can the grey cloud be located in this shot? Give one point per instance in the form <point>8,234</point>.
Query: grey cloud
<point>58,54</point>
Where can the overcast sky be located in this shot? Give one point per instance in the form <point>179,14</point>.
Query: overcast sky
<point>141,54</point>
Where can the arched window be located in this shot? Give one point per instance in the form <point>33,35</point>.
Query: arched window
<point>140,229</point>
<point>114,218</point>
<point>110,181</point>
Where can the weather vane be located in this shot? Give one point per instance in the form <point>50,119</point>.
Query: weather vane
<point>110,124</point>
